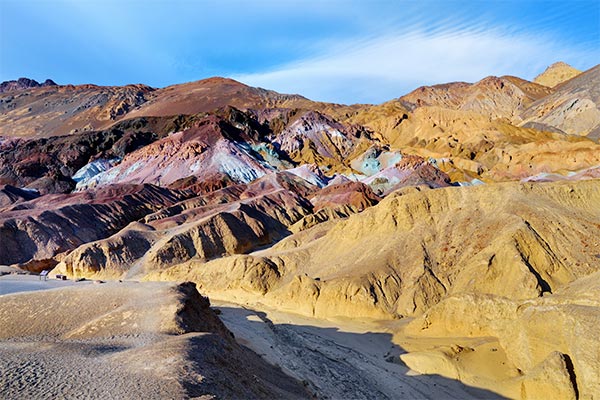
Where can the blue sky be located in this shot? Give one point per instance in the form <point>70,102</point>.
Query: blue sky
<point>330,50</point>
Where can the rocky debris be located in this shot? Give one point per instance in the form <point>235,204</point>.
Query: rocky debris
<point>23,83</point>
<point>556,74</point>
<point>39,229</point>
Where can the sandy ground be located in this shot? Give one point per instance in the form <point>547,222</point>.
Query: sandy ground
<point>23,283</point>
<point>339,359</point>
<point>126,341</point>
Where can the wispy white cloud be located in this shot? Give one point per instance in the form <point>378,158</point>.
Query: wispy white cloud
<point>385,67</point>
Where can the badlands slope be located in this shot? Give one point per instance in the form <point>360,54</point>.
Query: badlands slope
<point>448,218</point>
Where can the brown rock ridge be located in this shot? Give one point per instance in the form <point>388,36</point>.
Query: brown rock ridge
<point>23,83</point>
<point>493,97</point>
<point>203,228</point>
<point>90,340</point>
<point>66,109</point>
<point>35,231</point>
<point>556,74</point>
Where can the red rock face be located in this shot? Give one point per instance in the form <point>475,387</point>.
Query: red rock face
<point>354,194</point>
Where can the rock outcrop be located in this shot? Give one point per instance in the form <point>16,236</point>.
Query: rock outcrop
<point>24,83</point>
<point>219,224</point>
<point>416,247</point>
<point>549,339</point>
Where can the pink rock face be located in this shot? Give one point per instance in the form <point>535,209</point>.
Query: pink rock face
<point>588,173</point>
<point>204,151</point>
<point>354,194</point>
<point>410,171</point>
<point>41,228</point>
<point>329,138</point>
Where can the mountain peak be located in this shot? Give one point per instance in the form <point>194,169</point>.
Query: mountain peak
<point>556,74</point>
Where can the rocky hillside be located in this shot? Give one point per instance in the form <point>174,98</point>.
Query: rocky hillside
<point>574,108</point>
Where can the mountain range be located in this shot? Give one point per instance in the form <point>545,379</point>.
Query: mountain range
<point>478,199</point>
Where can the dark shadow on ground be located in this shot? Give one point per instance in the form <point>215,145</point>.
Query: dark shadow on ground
<point>341,365</point>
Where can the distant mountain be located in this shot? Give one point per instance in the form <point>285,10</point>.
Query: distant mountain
<point>493,96</point>
<point>556,74</point>
<point>66,109</point>
<point>23,83</point>
<point>69,109</point>
<point>574,107</point>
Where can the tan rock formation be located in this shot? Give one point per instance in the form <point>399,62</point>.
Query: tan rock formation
<point>556,74</point>
<point>550,339</point>
<point>410,251</point>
